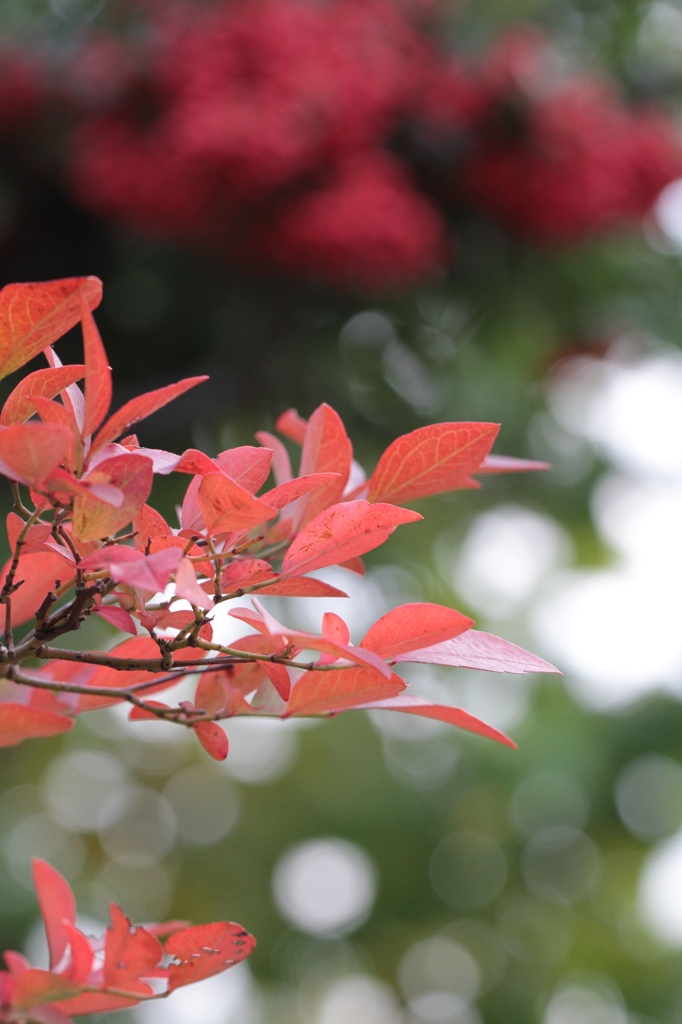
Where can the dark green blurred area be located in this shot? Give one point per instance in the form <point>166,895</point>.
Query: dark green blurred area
<point>506,882</point>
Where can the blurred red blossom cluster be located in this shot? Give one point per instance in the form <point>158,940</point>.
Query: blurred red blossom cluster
<point>340,143</point>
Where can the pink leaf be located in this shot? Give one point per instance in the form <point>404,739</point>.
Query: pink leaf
<point>117,617</point>
<point>57,905</point>
<point>341,532</point>
<point>98,388</point>
<point>413,626</point>
<point>475,649</point>
<point>281,463</point>
<point>186,586</point>
<point>430,460</point>
<point>19,406</point>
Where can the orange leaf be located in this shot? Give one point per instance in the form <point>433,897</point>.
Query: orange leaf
<point>213,739</point>
<point>319,693</point>
<point>92,517</point>
<point>19,406</point>
<point>29,452</point>
<point>341,532</point>
<point>430,460</point>
<point>413,626</point>
<point>326,449</point>
<point>37,573</point>
<point>33,316</point>
<point>18,722</point>
<point>57,906</point>
<point>226,506</point>
<point>139,408</point>
<point>98,388</point>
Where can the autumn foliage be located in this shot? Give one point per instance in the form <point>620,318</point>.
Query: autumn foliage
<point>85,541</point>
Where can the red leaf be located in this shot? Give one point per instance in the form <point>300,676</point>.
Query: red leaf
<point>139,408</point>
<point>475,649</point>
<point>28,453</point>
<point>341,532</point>
<point>138,714</point>
<point>36,987</point>
<point>37,573</point>
<point>19,406</point>
<point>285,493</point>
<point>213,739</point>
<point>104,676</point>
<point>227,506</point>
<point>117,617</point>
<point>248,466</point>
<point>413,626</point>
<point>33,316</point>
<point>93,518</point>
<point>430,460</point>
<point>301,586</point>
<point>57,906</point>
<point>97,374</point>
<point>292,426</point>
<point>82,954</point>
<point>319,693</point>
<point>205,950</point>
<point>245,573</point>
<point>442,713</point>
<point>279,676</point>
<point>130,953</point>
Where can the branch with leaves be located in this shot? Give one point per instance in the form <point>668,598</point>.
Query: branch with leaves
<point>84,541</point>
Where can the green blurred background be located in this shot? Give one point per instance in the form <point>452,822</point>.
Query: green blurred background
<point>396,872</point>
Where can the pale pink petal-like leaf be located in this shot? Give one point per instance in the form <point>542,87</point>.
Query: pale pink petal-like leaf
<point>281,463</point>
<point>509,464</point>
<point>186,586</point>
<point>475,649</point>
